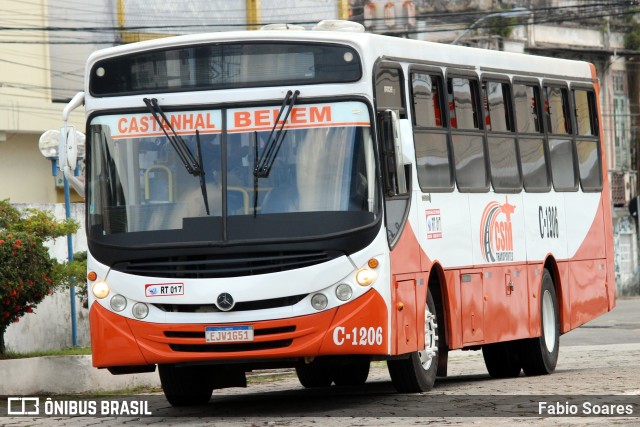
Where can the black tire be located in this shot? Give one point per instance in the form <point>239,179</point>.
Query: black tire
<point>314,375</point>
<point>186,386</point>
<point>502,359</point>
<point>539,355</point>
<point>351,373</point>
<point>417,373</point>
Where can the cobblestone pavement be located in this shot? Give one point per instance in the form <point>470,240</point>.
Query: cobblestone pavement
<point>599,374</point>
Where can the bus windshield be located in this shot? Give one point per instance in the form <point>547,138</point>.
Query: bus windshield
<point>322,180</point>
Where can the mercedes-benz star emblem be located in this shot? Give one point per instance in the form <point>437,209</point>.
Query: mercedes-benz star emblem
<point>225,302</point>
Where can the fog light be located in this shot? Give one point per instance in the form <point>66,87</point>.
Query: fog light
<point>344,292</point>
<point>319,301</point>
<point>100,289</point>
<point>140,310</point>
<point>118,303</point>
<point>365,277</point>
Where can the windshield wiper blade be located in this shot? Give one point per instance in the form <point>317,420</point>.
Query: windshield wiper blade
<point>188,159</point>
<point>203,183</point>
<point>191,164</point>
<point>274,142</point>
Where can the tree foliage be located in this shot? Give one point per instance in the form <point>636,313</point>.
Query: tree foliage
<point>27,272</point>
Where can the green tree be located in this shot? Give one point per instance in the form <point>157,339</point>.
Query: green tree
<point>27,271</point>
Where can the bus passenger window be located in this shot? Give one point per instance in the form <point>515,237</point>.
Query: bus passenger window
<point>557,107</point>
<point>496,105</point>
<point>587,142</point>
<point>468,151</point>
<point>526,99</point>
<point>432,158</point>
<point>463,103</point>
<point>589,162</point>
<point>505,175</point>
<point>586,117</point>
<point>389,90</point>
<point>534,165</point>
<point>562,164</point>
<point>427,109</point>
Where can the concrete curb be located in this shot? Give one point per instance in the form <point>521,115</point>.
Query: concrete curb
<point>64,374</point>
<point>75,374</point>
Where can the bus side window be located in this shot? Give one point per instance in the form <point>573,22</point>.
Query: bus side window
<point>463,98</point>
<point>531,148</point>
<point>561,150</point>
<point>558,119</point>
<point>426,100</point>
<point>501,141</point>
<point>467,138</point>
<point>430,134</point>
<point>526,102</point>
<point>587,140</point>
<point>389,93</point>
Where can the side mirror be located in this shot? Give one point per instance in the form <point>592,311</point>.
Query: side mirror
<point>71,147</point>
<point>393,161</point>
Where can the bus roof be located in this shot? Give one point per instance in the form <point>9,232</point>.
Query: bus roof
<point>373,47</point>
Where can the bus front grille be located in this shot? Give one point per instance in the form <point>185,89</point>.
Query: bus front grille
<point>215,266</point>
<point>264,304</point>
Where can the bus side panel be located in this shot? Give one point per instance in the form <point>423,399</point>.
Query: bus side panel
<point>588,291</point>
<point>588,269</point>
<point>507,306</point>
<point>405,256</point>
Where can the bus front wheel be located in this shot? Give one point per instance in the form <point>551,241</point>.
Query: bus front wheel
<point>539,355</point>
<point>417,373</point>
<point>186,386</point>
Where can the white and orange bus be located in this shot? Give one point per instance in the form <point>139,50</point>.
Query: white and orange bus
<point>323,199</point>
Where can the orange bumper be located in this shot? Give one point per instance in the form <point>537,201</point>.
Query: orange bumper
<point>361,329</point>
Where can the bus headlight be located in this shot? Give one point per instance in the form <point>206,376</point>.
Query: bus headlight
<point>140,310</point>
<point>100,289</point>
<point>319,301</point>
<point>344,292</point>
<point>365,277</point>
<point>118,302</point>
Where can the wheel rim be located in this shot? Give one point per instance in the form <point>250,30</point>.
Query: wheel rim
<point>548,321</point>
<point>430,340</point>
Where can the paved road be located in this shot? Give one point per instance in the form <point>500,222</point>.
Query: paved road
<point>599,366</point>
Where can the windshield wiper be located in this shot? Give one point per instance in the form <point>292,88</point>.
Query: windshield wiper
<point>191,164</point>
<point>274,142</point>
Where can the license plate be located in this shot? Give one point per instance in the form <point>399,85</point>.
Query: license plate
<point>228,334</point>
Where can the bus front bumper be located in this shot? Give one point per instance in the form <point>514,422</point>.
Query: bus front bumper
<point>359,327</point>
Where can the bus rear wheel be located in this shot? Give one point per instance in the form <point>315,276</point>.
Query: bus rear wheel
<point>417,373</point>
<point>186,386</point>
<point>502,359</point>
<point>539,355</point>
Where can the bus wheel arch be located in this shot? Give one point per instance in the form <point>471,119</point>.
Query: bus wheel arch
<point>551,265</point>
<point>437,286</point>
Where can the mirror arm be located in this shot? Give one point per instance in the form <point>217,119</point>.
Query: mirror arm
<point>77,185</point>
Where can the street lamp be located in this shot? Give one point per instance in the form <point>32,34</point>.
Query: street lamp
<point>63,148</point>
<point>512,13</point>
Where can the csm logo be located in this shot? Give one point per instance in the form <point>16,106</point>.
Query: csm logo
<point>23,406</point>
<point>496,232</point>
